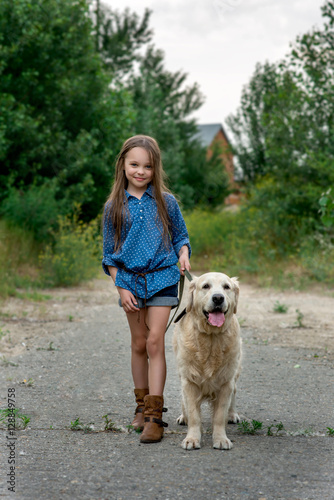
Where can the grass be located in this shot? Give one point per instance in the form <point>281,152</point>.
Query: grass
<point>109,426</point>
<point>249,427</point>
<point>232,242</point>
<point>21,420</point>
<point>79,426</point>
<point>280,308</point>
<point>7,362</point>
<point>299,321</point>
<point>71,257</point>
<point>49,348</point>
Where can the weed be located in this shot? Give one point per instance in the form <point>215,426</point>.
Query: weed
<point>74,256</point>
<point>88,427</point>
<point>3,333</point>
<point>6,362</point>
<point>29,383</point>
<point>34,296</point>
<point>280,308</point>
<point>4,414</point>
<point>79,426</point>
<point>110,426</point>
<point>131,428</point>
<point>50,348</point>
<point>76,425</point>
<point>278,427</point>
<point>70,318</point>
<point>330,431</point>
<point>250,427</point>
<point>300,317</point>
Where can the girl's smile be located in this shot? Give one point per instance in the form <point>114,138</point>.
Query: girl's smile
<point>138,170</point>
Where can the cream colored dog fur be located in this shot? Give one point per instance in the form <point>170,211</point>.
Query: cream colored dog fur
<point>207,346</point>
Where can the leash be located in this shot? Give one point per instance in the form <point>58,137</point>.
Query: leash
<point>182,279</point>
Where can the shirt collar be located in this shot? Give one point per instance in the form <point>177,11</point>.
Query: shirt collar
<point>149,191</point>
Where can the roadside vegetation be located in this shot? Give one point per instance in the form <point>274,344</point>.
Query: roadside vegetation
<point>77,79</point>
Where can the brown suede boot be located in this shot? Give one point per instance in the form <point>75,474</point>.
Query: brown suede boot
<point>138,422</point>
<point>153,424</point>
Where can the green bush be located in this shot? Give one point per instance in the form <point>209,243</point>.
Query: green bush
<point>35,209</point>
<point>317,258</point>
<point>75,254</point>
<point>237,244</point>
<point>18,261</point>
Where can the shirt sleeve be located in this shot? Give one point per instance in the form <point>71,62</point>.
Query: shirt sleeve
<point>179,232</point>
<point>108,242</point>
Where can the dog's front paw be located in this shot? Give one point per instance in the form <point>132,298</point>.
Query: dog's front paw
<point>181,420</point>
<point>222,444</point>
<point>190,443</point>
<point>233,418</point>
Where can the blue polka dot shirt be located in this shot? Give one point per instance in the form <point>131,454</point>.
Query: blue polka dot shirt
<point>143,248</point>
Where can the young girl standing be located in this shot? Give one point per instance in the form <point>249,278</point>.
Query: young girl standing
<point>144,236</point>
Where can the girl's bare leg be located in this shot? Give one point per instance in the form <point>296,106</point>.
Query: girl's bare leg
<point>157,319</point>
<point>139,361</point>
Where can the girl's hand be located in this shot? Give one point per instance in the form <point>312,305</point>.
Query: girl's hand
<point>184,259</point>
<point>128,300</point>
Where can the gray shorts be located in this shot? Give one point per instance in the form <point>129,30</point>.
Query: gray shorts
<point>165,297</point>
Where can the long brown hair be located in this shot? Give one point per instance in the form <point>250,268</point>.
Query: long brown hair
<point>116,209</point>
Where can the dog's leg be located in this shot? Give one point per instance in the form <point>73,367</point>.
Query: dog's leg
<point>233,417</point>
<point>183,419</point>
<point>192,407</point>
<point>220,407</point>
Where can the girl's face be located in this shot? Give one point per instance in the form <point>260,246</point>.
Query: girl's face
<point>138,170</point>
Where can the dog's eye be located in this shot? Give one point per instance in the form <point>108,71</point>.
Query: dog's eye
<point>206,286</point>
<point>227,287</point>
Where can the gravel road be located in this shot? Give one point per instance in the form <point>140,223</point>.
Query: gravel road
<point>86,375</point>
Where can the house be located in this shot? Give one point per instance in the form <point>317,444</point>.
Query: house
<point>211,134</point>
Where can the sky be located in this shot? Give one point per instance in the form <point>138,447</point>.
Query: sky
<point>218,42</point>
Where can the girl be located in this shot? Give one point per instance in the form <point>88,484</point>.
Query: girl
<point>144,236</point>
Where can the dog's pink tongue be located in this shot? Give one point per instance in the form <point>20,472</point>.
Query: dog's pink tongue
<point>216,318</point>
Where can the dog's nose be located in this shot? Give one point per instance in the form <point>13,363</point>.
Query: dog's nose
<point>218,299</point>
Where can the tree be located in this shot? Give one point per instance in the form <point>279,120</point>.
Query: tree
<point>59,117</point>
<point>120,37</point>
<point>163,104</point>
<point>284,134</point>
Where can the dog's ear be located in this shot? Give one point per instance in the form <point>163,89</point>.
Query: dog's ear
<point>191,292</point>
<point>236,293</point>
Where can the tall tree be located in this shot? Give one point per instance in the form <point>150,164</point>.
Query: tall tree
<point>60,119</point>
<point>120,37</point>
<point>163,105</point>
<point>284,133</point>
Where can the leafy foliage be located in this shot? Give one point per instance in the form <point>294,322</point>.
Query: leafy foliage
<point>59,118</point>
<point>163,104</point>
<point>74,256</point>
<point>284,136</point>
<point>74,84</point>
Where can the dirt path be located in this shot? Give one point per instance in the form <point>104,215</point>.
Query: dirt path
<point>68,356</point>
<point>308,322</point>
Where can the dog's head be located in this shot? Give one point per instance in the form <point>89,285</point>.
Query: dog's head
<point>213,298</point>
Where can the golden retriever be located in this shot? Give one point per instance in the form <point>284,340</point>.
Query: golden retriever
<point>207,346</point>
